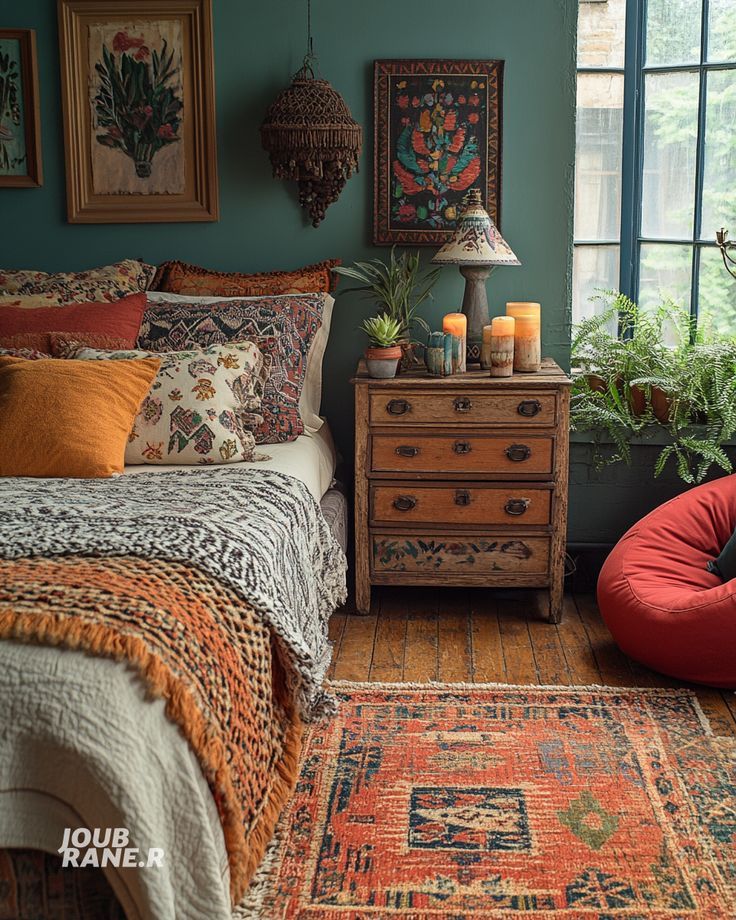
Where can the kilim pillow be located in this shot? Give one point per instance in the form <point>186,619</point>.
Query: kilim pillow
<point>202,407</point>
<point>285,329</point>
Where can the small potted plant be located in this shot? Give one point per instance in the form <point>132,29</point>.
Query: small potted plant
<point>399,287</point>
<point>384,351</point>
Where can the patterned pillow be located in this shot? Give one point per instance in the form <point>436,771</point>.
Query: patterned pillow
<point>182,278</point>
<point>284,329</point>
<point>202,406</point>
<point>30,354</point>
<point>109,283</point>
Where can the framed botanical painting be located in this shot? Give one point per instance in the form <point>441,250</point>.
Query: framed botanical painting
<point>139,110</point>
<point>437,135</point>
<point>20,120</point>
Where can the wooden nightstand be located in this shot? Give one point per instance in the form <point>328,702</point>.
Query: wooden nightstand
<point>461,481</point>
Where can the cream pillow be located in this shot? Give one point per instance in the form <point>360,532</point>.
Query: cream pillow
<point>202,406</point>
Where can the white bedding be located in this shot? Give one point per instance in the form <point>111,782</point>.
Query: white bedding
<point>310,458</point>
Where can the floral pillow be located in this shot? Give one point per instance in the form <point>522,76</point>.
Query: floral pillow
<point>182,278</point>
<point>202,406</point>
<point>283,328</point>
<point>109,283</point>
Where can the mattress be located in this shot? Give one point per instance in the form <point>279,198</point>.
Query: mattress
<point>310,458</point>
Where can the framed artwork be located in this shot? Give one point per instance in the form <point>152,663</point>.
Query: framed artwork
<point>20,119</point>
<point>437,135</point>
<point>138,94</point>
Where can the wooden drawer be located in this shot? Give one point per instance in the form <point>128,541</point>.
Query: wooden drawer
<point>462,453</point>
<point>464,504</point>
<point>407,407</point>
<point>458,555</point>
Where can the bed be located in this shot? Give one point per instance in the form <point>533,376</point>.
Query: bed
<point>86,739</point>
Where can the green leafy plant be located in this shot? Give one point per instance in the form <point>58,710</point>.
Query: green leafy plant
<point>399,287</point>
<point>137,107</point>
<point>635,369</point>
<point>383,330</point>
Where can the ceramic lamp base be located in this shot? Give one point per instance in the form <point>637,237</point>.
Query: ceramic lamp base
<point>475,307</point>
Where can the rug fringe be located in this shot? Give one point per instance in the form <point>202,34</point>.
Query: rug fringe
<point>460,685</point>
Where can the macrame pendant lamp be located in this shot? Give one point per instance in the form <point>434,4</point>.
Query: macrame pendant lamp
<point>311,136</point>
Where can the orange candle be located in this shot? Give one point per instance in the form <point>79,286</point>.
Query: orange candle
<point>457,324</point>
<point>502,346</point>
<point>527,336</point>
<point>523,308</point>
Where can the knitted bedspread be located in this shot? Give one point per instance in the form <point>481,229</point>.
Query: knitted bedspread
<point>181,574</point>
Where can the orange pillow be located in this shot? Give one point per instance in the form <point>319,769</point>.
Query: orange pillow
<point>120,321</point>
<point>182,278</point>
<point>69,418</point>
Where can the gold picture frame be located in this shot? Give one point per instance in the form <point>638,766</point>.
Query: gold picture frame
<point>138,93</point>
<point>20,118</point>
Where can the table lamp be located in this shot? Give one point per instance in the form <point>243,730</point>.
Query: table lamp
<point>476,247</point>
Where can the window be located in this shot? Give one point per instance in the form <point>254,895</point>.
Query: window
<point>656,154</point>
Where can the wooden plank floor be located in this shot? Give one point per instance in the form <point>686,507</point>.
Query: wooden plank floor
<point>455,635</point>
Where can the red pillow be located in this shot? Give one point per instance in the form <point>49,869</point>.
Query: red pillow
<point>120,321</point>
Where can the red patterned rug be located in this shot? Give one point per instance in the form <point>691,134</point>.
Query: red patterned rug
<point>454,802</point>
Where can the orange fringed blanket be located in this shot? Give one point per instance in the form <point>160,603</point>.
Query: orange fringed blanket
<point>198,645</point>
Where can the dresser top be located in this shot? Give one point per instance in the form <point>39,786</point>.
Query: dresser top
<point>549,377</point>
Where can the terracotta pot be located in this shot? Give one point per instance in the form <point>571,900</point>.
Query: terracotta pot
<point>596,383</point>
<point>638,399</point>
<point>383,362</point>
<point>661,405</point>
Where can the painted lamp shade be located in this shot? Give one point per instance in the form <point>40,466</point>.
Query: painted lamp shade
<point>476,247</point>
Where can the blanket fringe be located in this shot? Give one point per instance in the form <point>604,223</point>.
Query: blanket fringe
<point>244,855</point>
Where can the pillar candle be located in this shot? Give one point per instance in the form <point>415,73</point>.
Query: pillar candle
<point>457,324</point>
<point>502,346</point>
<point>523,308</point>
<point>527,343</point>
<point>485,348</point>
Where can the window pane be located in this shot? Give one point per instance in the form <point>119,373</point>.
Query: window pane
<point>670,146</point>
<point>601,33</point>
<point>717,300</point>
<point>719,184</point>
<point>598,157</point>
<point>666,273</point>
<point>673,32</point>
<point>721,31</point>
<point>595,268</point>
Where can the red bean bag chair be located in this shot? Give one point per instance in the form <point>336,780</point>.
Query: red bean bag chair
<point>662,605</point>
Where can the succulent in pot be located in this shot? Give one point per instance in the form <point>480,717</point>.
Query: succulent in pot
<point>384,349</point>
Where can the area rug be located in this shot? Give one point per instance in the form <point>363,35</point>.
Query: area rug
<point>449,802</point>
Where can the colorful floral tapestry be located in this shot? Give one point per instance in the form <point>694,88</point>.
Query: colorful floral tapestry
<point>454,802</point>
<point>438,127</point>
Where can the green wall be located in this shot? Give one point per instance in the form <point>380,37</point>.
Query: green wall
<point>258,46</point>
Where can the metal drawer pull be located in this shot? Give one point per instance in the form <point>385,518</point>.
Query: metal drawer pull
<point>518,452</point>
<point>398,406</point>
<point>404,450</point>
<point>516,506</point>
<point>462,497</point>
<point>462,404</point>
<point>462,447</point>
<point>529,408</point>
<point>405,502</point>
